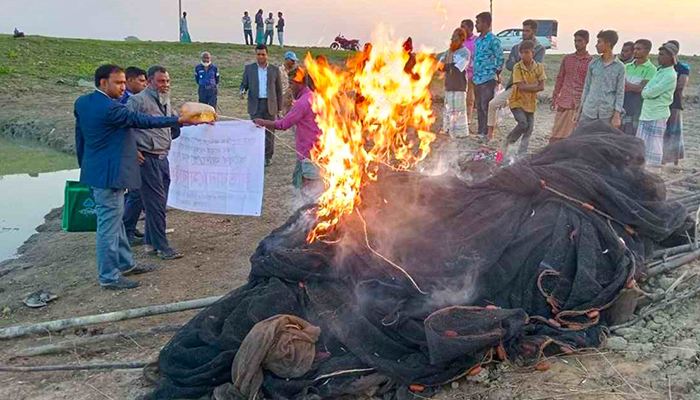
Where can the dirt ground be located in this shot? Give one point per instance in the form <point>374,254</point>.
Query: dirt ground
<point>657,359</point>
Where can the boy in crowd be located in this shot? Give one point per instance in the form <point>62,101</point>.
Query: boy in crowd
<point>604,90</point>
<point>501,99</point>
<point>568,89</point>
<point>528,80</point>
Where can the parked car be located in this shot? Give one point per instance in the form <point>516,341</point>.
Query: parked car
<point>547,31</point>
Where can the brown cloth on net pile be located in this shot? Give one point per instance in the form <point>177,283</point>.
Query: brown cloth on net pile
<point>283,344</point>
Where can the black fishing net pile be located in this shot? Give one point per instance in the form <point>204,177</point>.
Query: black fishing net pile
<point>543,260</point>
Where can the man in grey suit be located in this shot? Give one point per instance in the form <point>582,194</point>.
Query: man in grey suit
<point>263,83</point>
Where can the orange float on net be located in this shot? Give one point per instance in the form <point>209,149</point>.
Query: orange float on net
<point>450,334</point>
<point>543,367</point>
<point>416,388</point>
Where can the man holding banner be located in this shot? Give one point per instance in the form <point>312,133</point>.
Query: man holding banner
<point>306,174</point>
<point>153,146</point>
<point>107,157</point>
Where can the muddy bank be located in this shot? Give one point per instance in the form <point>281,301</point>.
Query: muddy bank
<point>44,132</point>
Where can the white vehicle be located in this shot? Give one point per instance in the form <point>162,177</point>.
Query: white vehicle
<point>547,30</point>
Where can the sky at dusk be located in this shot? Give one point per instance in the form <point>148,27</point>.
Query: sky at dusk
<point>317,22</point>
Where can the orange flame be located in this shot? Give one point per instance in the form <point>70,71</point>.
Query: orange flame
<point>376,111</point>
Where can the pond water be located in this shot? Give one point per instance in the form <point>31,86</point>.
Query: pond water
<point>29,188</point>
<point>24,201</point>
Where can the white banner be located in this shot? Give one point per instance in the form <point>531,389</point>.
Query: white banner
<point>218,169</point>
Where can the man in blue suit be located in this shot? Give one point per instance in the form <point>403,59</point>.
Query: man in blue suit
<point>109,164</point>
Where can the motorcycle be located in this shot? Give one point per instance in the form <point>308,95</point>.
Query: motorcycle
<point>346,44</point>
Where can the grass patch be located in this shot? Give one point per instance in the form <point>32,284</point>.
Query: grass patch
<point>20,157</point>
<point>37,59</point>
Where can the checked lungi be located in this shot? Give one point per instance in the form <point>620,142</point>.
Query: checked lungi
<point>454,117</point>
<point>652,132</point>
<point>674,144</point>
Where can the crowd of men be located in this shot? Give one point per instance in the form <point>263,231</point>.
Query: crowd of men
<point>629,92</point>
<point>264,28</point>
<point>124,131</point>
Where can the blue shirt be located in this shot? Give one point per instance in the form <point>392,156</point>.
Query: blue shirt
<point>105,144</point>
<point>206,77</point>
<point>488,58</point>
<point>262,82</point>
<point>125,97</point>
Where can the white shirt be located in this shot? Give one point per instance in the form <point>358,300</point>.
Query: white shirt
<point>262,82</point>
<point>98,90</point>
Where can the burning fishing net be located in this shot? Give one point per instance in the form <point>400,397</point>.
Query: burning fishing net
<point>371,113</point>
<point>524,264</point>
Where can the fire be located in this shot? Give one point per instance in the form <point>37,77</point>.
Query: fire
<point>376,111</point>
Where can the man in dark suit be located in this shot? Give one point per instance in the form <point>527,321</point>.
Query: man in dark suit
<point>263,83</point>
<point>108,161</point>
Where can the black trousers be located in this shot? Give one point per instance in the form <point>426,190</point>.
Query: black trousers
<point>248,33</point>
<point>263,113</point>
<point>484,94</point>
<point>208,95</point>
<point>524,128</point>
<point>132,212</point>
<point>155,184</point>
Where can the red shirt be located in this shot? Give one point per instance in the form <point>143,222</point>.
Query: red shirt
<point>570,81</point>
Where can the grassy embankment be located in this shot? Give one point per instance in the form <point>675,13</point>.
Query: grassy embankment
<point>36,59</point>
<point>39,78</point>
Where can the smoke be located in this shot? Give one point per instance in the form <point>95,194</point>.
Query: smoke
<point>454,157</point>
<point>458,291</point>
<point>392,234</point>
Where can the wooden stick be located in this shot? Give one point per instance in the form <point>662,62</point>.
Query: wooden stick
<point>673,251</point>
<point>677,282</point>
<point>21,330</point>
<point>659,261</point>
<point>78,367</point>
<point>72,344</point>
<point>677,263</point>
